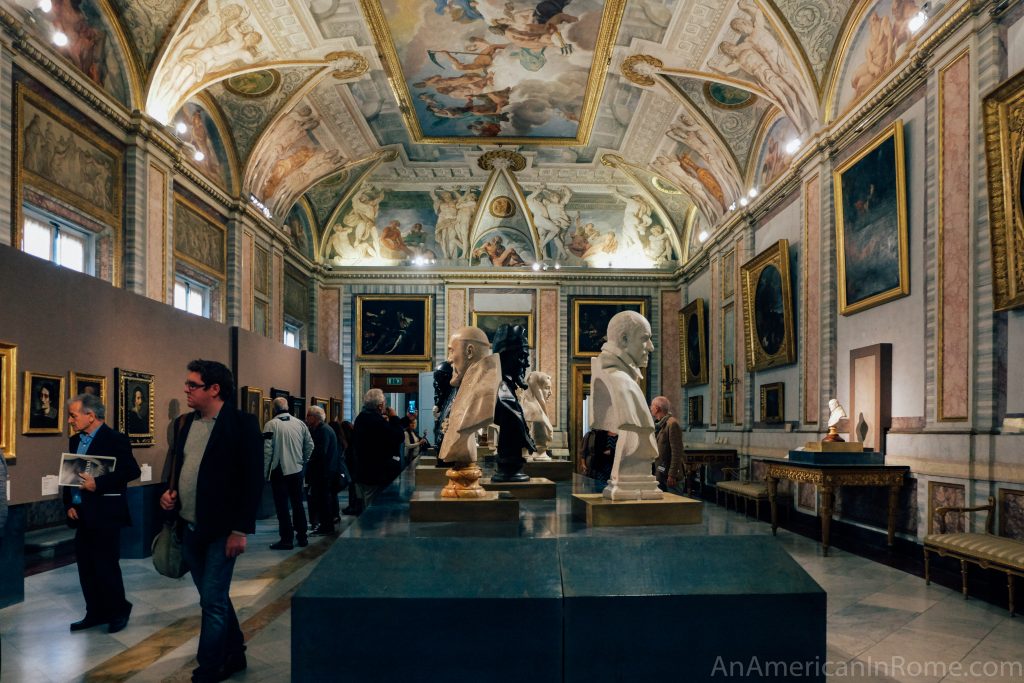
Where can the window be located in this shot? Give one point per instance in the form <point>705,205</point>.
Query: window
<point>191,296</point>
<point>292,335</point>
<point>59,242</point>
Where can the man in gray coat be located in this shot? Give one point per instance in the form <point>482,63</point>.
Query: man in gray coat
<point>287,445</point>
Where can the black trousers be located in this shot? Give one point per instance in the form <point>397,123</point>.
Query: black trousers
<point>98,553</point>
<point>288,488</point>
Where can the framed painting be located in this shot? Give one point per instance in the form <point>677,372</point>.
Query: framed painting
<point>590,318</point>
<point>773,403</point>
<point>1011,513</point>
<point>944,494</point>
<point>335,413</point>
<point>394,327</point>
<point>323,403</point>
<point>389,377</point>
<point>297,406</point>
<point>135,406</point>
<point>695,411</point>
<point>1004,151</point>
<point>693,344</point>
<point>42,410</point>
<point>728,402</point>
<point>80,383</point>
<point>768,308</point>
<point>266,410</point>
<point>8,398</point>
<point>490,321</point>
<point>252,401</point>
<point>872,251</point>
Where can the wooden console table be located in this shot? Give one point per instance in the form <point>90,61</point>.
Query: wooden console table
<point>695,458</point>
<point>827,479</point>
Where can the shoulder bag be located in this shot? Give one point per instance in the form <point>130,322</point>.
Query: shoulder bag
<point>168,558</point>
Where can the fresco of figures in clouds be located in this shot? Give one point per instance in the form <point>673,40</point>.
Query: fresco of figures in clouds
<point>496,68</point>
<point>878,44</point>
<point>378,226</point>
<point>773,159</point>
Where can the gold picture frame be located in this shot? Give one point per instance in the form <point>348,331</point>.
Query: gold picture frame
<point>82,383</point>
<point>768,309</point>
<point>871,216</point>
<point>336,408</point>
<point>380,333</point>
<point>773,403</point>
<point>266,410</point>
<point>40,413</point>
<point>365,370</point>
<point>695,411</point>
<point>324,404</point>
<point>138,426</point>
<point>252,401</point>
<point>590,316</point>
<point>693,344</point>
<point>490,321</point>
<point>580,389</point>
<point>8,398</point>
<point>1004,151</point>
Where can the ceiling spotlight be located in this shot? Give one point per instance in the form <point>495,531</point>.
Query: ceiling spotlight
<point>60,39</point>
<point>917,21</point>
<point>743,201</point>
<point>45,5</point>
<point>732,207</point>
<point>198,156</point>
<point>793,145</point>
<point>752,193</point>
<point>558,266</point>
<point>703,236</point>
<point>536,266</point>
<point>181,127</point>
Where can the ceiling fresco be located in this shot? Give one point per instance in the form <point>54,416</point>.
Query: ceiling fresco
<point>323,101</point>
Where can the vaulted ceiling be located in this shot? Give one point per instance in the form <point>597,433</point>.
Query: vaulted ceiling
<point>311,96</point>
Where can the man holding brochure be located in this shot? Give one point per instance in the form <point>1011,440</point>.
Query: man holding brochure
<point>97,510</point>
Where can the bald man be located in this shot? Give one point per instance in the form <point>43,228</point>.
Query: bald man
<point>668,467</point>
<point>476,372</point>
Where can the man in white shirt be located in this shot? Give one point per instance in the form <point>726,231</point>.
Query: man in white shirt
<point>287,445</point>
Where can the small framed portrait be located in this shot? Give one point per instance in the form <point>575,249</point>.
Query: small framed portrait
<point>768,308</point>
<point>322,402</point>
<point>871,224</point>
<point>252,401</point>
<point>80,383</point>
<point>72,465</point>
<point>276,393</point>
<point>8,398</point>
<point>336,406</point>
<point>773,403</point>
<point>266,410</point>
<point>490,321</point>
<point>393,327</point>
<point>298,406</point>
<point>693,344</point>
<point>695,411</point>
<point>136,406</point>
<point>43,404</point>
<point>590,318</point>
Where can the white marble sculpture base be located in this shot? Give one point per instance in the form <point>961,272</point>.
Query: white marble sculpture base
<point>633,487</point>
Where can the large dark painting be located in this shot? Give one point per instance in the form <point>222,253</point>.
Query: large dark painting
<point>871,224</point>
<point>693,347</point>
<point>135,406</point>
<point>490,321</point>
<point>393,327</point>
<point>590,321</point>
<point>768,308</point>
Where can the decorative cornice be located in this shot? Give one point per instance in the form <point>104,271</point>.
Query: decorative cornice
<point>476,276</point>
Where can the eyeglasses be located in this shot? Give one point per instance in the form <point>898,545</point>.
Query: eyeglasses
<point>192,386</point>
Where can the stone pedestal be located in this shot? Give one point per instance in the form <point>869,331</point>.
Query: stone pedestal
<point>430,476</point>
<point>495,506</point>
<point>555,470</point>
<point>598,510</point>
<point>535,488</point>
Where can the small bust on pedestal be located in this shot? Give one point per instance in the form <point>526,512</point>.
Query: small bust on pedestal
<point>619,405</point>
<point>510,345</point>
<point>537,394</point>
<point>837,413</point>
<point>476,373</point>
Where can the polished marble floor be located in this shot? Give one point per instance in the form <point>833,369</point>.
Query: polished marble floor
<point>883,624</point>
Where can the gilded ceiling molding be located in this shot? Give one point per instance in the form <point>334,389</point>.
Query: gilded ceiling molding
<point>641,69</point>
<point>346,65</point>
<point>502,158</point>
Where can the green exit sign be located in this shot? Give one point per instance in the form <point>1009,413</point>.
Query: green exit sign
<point>392,381</point>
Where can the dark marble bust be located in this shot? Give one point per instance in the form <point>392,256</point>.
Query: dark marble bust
<point>511,346</point>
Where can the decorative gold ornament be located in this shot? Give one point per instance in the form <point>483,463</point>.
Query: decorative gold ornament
<point>347,64</point>
<point>502,207</point>
<point>501,158</point>
<point>640,69</point>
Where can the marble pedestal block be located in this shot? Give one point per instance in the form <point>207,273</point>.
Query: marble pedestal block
<point>555,470</point>
<point>430,476</point>
<point>348,617</point>
<point>536,488</point>
<point>429,506</point>
<point>686,608</point>
<point>597,510</point>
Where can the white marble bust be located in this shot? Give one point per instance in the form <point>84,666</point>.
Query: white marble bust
<point>533,401</point>
<point>619,405</point>
<point>477,373</point>
<point>836,412</point>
